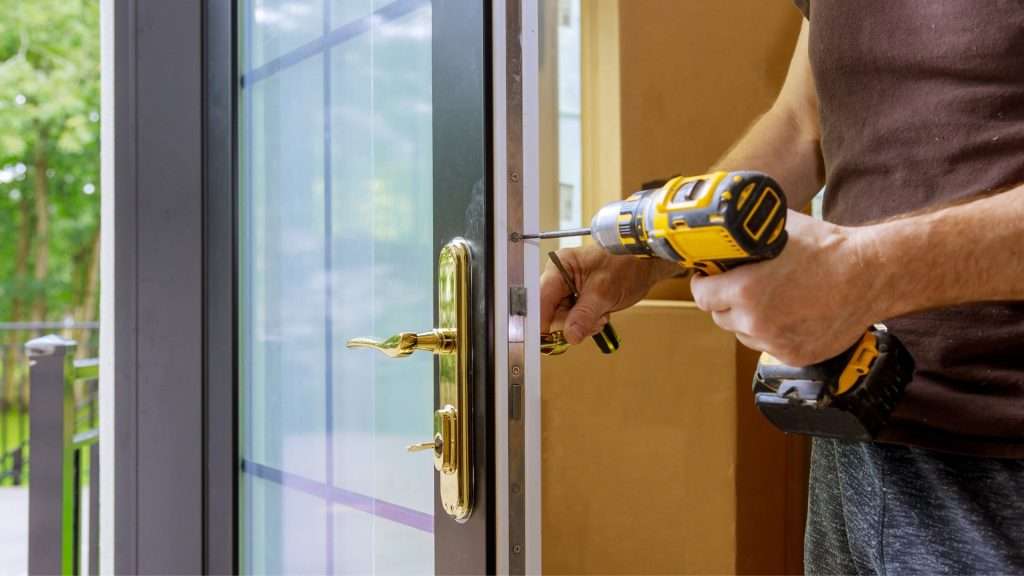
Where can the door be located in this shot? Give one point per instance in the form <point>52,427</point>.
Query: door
<point>365,212</point>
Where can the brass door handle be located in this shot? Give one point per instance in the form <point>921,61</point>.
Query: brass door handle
<point>443,342</point>
<point>405,343</point>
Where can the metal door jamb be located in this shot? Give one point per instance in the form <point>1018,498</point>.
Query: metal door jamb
<point>517,318</point>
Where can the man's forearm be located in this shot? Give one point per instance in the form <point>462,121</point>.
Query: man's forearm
<point>966,253</point>
<point>778,145</point>
<point>815,299</point>
<point>784,143</point>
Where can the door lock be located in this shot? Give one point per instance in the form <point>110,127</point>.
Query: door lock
<point>445,443</point>
<point>451,342</point>
<point>434,445</point>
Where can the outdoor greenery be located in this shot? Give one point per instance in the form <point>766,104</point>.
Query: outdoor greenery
<point>49,169</point>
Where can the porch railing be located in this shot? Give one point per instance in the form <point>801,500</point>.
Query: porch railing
<point>58,441</point>
<point>14,390</point>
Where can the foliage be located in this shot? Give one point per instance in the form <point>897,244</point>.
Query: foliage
<point>49,145</point>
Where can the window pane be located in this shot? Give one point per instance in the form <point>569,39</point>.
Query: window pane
<point>281,26</point>
<point>285,532</point>
<point>346,11</point>
<point>286,271</point>
<point>336,214</point>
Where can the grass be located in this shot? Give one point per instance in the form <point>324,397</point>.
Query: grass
<point>9,433</point>
<point>13,430</point>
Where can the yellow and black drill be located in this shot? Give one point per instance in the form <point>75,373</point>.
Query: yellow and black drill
<point>714,222</point>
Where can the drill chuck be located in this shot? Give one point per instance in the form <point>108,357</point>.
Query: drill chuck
<point>606,231</point>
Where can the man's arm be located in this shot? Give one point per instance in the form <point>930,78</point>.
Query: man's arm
<point>782,143</point>
<point>966,253</point>
<point>785,142</point>
<point>832,282</point>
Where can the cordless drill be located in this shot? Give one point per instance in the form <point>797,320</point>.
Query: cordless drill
<point>714,222</point>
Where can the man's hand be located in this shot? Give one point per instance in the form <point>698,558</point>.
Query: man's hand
<point>606,283</point>
<point>807,305</point>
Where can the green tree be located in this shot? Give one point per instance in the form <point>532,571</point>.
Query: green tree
<point>49,163</point>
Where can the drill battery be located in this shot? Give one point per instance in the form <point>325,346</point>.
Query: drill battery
<point>849,397</point>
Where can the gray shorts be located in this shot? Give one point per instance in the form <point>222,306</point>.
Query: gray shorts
<point>884,509</point>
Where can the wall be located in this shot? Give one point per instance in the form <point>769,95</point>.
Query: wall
<point>639,449</point>
<point>694,75</point>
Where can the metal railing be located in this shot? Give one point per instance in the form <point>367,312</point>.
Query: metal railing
<point>58,440</point>
<point>14,390</point>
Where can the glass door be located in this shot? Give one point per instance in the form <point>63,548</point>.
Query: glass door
<point>364,151</point>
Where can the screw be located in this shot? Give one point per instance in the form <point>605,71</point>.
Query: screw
<point>516,371</point>
<point>515,488</point>
<point>515,176</point>
<point>517,548</point>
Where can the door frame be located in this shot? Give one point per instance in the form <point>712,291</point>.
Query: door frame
<point>172,285</point>
<point>516,61</point>
<point>220,303</point>
<point>172,365</point>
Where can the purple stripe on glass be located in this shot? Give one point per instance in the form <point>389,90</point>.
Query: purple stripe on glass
<point>380,508</point>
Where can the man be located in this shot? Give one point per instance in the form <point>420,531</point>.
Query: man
<point>913,114</point>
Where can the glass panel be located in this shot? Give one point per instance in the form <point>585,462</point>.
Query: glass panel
<point>346,11</point>
<point>286,262</point>
<point>280,26</point>
<point>336,216</point>
<point>286,532</point>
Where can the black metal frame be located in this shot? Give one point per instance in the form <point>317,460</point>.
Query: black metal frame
<point>174,287</point>
<point>464,206</point>
<point>220,266</point>
<point>176,343</point>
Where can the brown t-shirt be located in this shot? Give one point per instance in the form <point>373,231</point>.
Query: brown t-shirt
<point>922,104</point>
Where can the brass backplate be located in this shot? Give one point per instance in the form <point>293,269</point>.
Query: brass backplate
<point>453,311</point>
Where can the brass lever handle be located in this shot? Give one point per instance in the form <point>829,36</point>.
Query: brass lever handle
<point>405,343</point>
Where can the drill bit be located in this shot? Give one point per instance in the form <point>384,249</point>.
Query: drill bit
<point>556,234</point>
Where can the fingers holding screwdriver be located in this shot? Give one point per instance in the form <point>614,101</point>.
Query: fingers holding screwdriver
<point>584,317</point>
<point>605,283</point>
<point>554,300</point>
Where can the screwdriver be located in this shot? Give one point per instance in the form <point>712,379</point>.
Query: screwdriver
<point>516,237</point>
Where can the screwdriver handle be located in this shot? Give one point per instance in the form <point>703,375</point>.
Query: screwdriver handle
<point>607,339</point>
